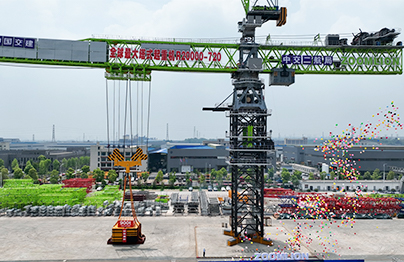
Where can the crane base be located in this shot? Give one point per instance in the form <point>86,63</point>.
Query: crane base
<point>235,240</point>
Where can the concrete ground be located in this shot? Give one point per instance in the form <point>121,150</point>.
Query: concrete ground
<point>183,238</point>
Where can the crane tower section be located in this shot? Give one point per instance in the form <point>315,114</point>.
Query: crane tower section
<point>250,141</point>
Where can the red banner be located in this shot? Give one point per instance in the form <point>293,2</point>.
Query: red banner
<point>125,223</point>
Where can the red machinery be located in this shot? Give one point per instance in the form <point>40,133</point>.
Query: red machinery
<point>79,182</point>
<point>317,204</point>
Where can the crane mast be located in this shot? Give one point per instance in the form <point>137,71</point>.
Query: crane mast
<point>250,141</point>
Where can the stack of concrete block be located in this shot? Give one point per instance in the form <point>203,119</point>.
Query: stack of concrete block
<point>67,210</point>
<point>100,211</point>
<point>178,205</point>
<point>91,210</point>
<point>214,206</point>
<point>50,211</point>
<point>226,209</point>
<point>158,210</point>
<point>75,210</point>
<point>42,211</point>
<point>59,211</point>
<point>83,211</point>
<point>34,211</point>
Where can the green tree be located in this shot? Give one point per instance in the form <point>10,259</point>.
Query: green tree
<point>65,163</point>
<point>323,175</point>
<point>56,165</point>
<point>367,175</point>
<point>224,172</point>
<point>159,176</point>
<point>72,163</point>
<point>41,158</point>
<point>28,167</point>
<point>311,176</point>
<point>295,180</point>
<point>219,178</point>
<point>271,173</point>
<point>332,175</point>
<point>84,161</point>
<point>391,175</point>
<point>202,179</point>
<point>33,174</point>
<point>48,163</point>
<point>83,175</point>
<point>213,174</point>
<point>145,176</point>
<point>18,173</point>
<point>85,169</point>
<point>112,175</point>
<point>188,178</point>
<point>98,174</point>
<point>171,180</point>
<point>1,163</point>
<point>376,174</point>
<point>298,174</point>
<point>54,177</point>
<point>42,168</point>
<point>70,173</point>
<point>4,173</point>
<point>14,164</point>
<point>285,175</point>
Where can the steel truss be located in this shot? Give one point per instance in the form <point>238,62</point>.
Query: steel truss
<point>249,147</point>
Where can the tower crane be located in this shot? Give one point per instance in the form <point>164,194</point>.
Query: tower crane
<point>250,140</point>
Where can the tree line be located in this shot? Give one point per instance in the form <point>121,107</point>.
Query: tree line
<point>45,168</point>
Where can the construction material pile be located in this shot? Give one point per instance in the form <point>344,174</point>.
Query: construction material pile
<point>203,200</point>
<point>193,203</point>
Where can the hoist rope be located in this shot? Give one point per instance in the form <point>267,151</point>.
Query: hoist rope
<point>106,91</point>
<point>137,114</point>
<point>113,117</point>
<point>141,117</point>
<point>126,114</point>
<point>119,113</point>
<point>130,117</point>
<point>148,119</point>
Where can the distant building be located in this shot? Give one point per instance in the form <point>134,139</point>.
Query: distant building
<point>99,158</point>
<point>350,186</point>
<point>188,158</point>
<point>364,157</point>
<point>294,141</point>
<point>4,146</point>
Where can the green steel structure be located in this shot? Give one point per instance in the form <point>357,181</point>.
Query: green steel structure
<point>223,58</point>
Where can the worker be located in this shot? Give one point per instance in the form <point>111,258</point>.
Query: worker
<point>204,252</point>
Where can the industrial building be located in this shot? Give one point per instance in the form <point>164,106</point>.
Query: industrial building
<point>350,186</point>
<point>365,157</point>
<point>11,149</point>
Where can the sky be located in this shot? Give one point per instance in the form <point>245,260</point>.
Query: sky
<point>33,99</point>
